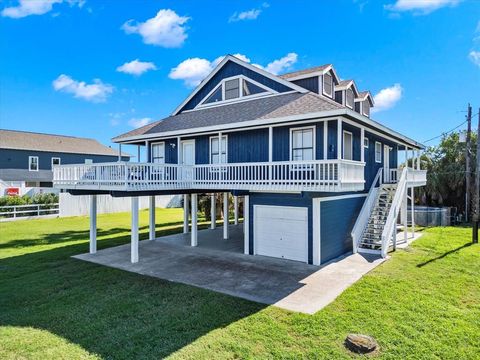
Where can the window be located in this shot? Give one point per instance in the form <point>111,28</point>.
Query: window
<point>251,89</point>
<point>33,163</point>
<point>347,145</point>
<point>328,84</point>
<point>366,108</point>
<point>232,89</point>
<point>349,98</point>
<point>55,161</point>
<point>216,96</point>
<point>88,161</point>
<point>302,144</point>
<point>218,154</point>
<point>158,153</point>
<point>366,143</point>
<point>378,152</point>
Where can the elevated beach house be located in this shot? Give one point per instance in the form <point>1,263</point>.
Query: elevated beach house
<point>319,178</point>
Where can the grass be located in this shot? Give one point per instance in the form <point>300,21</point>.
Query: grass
<point>421,304</point>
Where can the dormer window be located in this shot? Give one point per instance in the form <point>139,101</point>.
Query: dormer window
<point>237,87</point>
<point>328,84</point>
<point>366,108</point>
<point>349,98</point>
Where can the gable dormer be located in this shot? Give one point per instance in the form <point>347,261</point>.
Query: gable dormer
<point>363,103</point>
<point>321,79</point>
<point>235,80</point>
<point>345,93</point>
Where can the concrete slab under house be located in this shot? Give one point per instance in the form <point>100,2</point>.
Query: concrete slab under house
<point>317,178</point>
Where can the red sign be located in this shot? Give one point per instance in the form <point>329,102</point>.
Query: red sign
<point>12,191</point>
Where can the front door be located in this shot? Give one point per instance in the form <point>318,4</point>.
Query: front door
<point>188,158</point>
<point>386,164</point>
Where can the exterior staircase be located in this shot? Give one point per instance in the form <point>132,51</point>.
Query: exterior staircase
<point>371,239</point>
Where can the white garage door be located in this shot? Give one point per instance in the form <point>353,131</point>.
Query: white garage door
<point>281,231</point>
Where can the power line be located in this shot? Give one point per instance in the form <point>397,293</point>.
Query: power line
<point>445,133</point>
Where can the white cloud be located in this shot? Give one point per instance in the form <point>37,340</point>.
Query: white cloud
<point>166,29</point>
<point>95,92</point>
<point>420,7</point>
<point>387,98</point>
<point>474,57</point>
<point>192,71</point>
<point>245,15</point>
<point>136,67</point>
<point>35,7</point>
<point>136,123</point>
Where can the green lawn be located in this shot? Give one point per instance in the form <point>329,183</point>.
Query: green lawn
<point>423,303</point>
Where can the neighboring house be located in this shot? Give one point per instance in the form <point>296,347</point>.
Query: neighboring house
<point>27,158</point>
<point>319,177</point>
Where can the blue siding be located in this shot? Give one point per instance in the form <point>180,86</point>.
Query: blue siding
<point>228,70</point>
<point>248,146</point>
<point>332,139</point>
<point>202,149</point>
<point>337,218</point>
<point>356,140</point>
<point>371,167</point>
<point>281,141</point>
<point>308,83</point>
<point>171,151</point>
<point>18,159</point>
<point>282,200</point>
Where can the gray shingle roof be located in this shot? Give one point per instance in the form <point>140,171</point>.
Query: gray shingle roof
<point>263,108</point>
<point>305,71</point>
<point>23,140</point>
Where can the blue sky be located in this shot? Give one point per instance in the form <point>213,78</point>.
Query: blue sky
<point>60,60</point>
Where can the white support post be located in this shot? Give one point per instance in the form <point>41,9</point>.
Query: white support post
<point>151,218</point>
<point>270,153</point>
<point>134,230</point>
<point>362,144</point>
<point>406,156</point>
<point>213,211</point>
<point>138,153</point>
<point>246,224</point>
<point>412,210</point>
<point>179,150</point>
<point>339,139</point>
<point>186,210</point>
<point>93,224</point>
<point>225,215</point>
<point>325,140</point>
<point>418,159</point>
<point>119,152</point>
<point>235,209</point>
<point>405,215</point>
<point>193,238</point>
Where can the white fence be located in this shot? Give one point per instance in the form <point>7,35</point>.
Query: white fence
<point>79,205</point>
<point>31,210</point>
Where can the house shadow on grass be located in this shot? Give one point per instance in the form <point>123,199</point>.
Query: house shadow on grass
<point>444,255</point>
<point>110,312</point>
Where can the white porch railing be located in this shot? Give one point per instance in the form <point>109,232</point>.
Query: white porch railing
<point>316,175</point>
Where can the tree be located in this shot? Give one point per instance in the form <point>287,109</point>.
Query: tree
<point>445,164</point>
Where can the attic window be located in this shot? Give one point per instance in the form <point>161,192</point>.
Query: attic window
<point>349,98</point>
<point>366,108</point>
<point>328,84</point>
<point>235,88</point>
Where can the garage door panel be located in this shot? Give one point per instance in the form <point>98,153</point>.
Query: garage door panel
<point>281,231</point>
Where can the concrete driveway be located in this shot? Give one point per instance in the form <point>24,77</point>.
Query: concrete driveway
<point>288,284</point>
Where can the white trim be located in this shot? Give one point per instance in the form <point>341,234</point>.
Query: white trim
<point>325,140</point>
<point>323,86</point>
<point>219,148</point>
<point>270,143</point>
<point>378,161</point>
<point>316,244</point>
<point>367,142</point>
<point>246,225</point>
<point>314,148</point>
<point>30,163</point>
<point>362,144</point>
<point>268,91</point>
<point>346,98</point>
<point>59,161</point>
<point>339,139</point>
<point>316,73</point>
<point>151,151</point>
<point>246,65</point>
<point>282,121</point>
<point>343,144</point>
<point>340,197</point>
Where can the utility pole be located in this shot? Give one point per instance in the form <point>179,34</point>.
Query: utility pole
<point>477,187</point>
<point>467,163</point>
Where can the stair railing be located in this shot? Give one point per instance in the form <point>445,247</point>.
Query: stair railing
<point>366,211</point>
<point>391,222</point>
